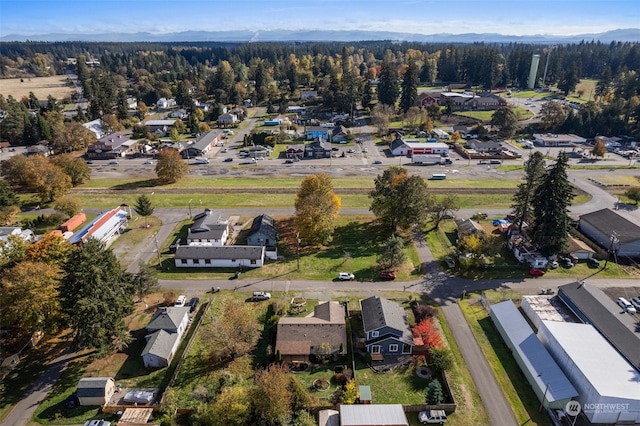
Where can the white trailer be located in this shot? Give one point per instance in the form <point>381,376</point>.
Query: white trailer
<point>427,159</point>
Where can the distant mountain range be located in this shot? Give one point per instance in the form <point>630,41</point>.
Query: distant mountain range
<point>622,35</point>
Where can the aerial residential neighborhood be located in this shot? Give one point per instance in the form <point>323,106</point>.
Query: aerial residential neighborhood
<point>319,232</point>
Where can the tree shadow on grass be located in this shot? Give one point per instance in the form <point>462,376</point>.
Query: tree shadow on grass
<point>149,183</point>
<point>134,364</point>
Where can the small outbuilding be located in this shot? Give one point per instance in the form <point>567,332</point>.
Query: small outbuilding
<point>95,390</point>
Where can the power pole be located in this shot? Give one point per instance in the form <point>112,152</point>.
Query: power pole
<point>614,241</point>
<point>298,244</point>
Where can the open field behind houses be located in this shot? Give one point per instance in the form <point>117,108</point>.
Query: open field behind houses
<point>57,86</point>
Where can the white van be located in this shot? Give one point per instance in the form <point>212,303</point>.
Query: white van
<point>626,305</point>
<point>181,301</point>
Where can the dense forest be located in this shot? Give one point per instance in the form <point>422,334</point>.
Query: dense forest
<point>345,75</point>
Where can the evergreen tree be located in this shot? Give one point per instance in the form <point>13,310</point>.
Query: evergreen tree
<point>388,88</point>
<point>96,296</point>
<point>569,81</point>
<point>435,395</point>
<point>392,253</point>
<point>523,198</point>
<point>144,208</point>
<point>550,208</point>
<point>410,82</point>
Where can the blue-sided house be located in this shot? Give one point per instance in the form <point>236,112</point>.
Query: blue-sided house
<point>263,233</point>
<point>386,328</point>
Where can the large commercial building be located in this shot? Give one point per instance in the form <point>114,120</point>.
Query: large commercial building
<point>608,386</point>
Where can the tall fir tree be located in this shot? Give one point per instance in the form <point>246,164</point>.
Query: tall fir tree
<point>388,88</point>
<point>144,208</point>
<point>409,94</point>
<point>523,198</point>
<point>551,208</point>
<point>96,296</point>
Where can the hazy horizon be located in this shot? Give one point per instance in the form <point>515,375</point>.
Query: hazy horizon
<point>507,17</point>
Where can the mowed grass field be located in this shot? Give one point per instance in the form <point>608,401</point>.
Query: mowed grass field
<point>57,86</point>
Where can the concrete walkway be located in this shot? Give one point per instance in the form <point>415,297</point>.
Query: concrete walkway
<point>494,401</point>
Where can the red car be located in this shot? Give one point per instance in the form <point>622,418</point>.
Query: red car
<point>536,272</point>
<point>387,276</point>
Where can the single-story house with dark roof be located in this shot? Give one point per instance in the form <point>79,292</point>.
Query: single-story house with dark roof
<point>386,328</point>
<point>95,390</point>
<point>604,224</point>
<point>160,348</point>
<point>203,144</point>
<point>264,233</point>
<point>299,337</point>
<point>339,134</point>
<point>208,256</point>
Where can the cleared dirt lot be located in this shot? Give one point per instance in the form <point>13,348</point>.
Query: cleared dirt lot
<point>58,86</point>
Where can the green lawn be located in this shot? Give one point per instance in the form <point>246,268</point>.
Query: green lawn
<point>513,383</point>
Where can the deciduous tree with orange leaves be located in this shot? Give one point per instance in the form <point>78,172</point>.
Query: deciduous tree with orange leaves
<point>427,331</point>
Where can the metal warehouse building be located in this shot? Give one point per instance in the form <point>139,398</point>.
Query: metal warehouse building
<point>608,386</point>
<point>544,375</point>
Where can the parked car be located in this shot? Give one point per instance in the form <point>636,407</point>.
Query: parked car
<point>97,423</point>
<point>593,263</point>
<point>387,276</point>
<point>260,295</point>
<point>289,161</point>
<point>89,162</point>
<point>181,301</point>
<point>148,162</point>
<point>225,150</point>
<point>495,162</point>
<point>450,262</point>
<point>249,161</point>
<point>228,160</point>
<point>554,264</point>
<point>114,162</point>
<point>536,272</point>
<point>628,307</point>
<point>635,301</point>
<point>193,303</point>
<point>566,262</point>
<point>351,151</point>
<point>377,162</point>
<point>346,276</point>
<point>365,150</point>
<point>432,417</point>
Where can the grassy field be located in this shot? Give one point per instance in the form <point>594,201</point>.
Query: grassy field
<point>513,383</point>
<point>57,86</point>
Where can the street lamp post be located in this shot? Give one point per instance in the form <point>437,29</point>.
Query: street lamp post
<point>190,208</point>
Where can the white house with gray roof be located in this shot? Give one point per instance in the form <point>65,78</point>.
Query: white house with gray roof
<point>203,144</point>
<point>209,228</point>
<point>210,256</point>
<point>386,328</point>
<point>166,328</point>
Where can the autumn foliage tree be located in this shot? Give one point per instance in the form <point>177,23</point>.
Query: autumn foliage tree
<point>170,167</point>
<point>599,149</point>
<point>317,208</point>
<point>427,331</point>
<point>30,300</point>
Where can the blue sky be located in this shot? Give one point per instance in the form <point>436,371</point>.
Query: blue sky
<point>512,17</point>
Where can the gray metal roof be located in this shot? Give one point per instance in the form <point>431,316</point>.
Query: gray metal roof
<point>264,224</point>
<point>225,252</point>
<point>160,344</point>
<point>593,306</point>
<point>607,221</point>
<point>92,386</point>
<point>168,318</point>
<point>535,357</point>
<point>373,415</point>
<point>206,139</point>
